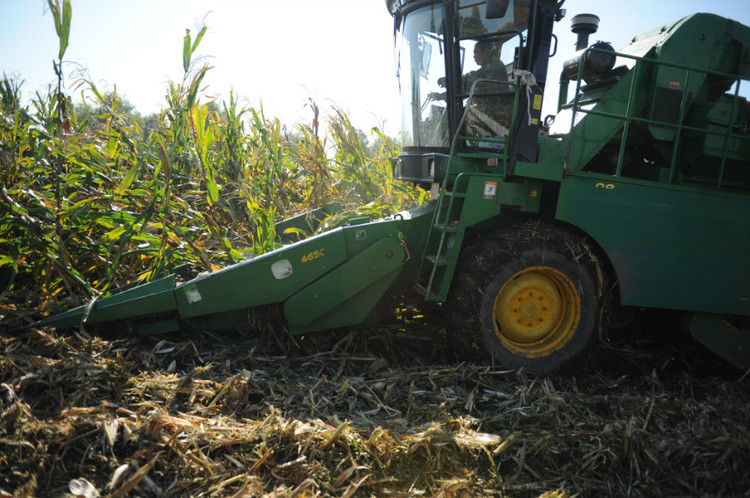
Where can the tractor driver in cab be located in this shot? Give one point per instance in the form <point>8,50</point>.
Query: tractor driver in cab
<point>488,114</point>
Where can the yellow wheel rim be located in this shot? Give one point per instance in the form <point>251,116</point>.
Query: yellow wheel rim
<point>537,312</point>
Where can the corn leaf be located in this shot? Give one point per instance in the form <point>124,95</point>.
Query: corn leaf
<point>212,189</point>
<point>127,181</point>
<point>198,39</point>
<point>186,51</point>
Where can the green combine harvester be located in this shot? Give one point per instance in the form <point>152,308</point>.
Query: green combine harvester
<point>637,194</point>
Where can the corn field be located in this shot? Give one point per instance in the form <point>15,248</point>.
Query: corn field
<point>87,208</point>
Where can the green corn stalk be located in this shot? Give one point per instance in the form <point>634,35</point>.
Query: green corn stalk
<point>312,175</point>
<point>233,153</point>
<point>264,227</point>
<point>359,178</point>
<point>269,166</point>
<point>203,136</point>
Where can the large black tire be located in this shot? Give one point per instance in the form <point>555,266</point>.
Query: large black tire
<point>534,292</point>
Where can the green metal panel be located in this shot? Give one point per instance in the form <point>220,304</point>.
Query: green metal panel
<point>525,195</point>
<point>728,109</point>
<point>486,194</point>
<point>702,41</point>
<point>360,237</point>
<point>481,200</point>
<point>353,277</point>
<point>539,171</point>
<point>672,248</point>
<point>357,309</point>
<point>266,279</point>
<point>152,298</point>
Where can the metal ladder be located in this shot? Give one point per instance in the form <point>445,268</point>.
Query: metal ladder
<point>446,228</point>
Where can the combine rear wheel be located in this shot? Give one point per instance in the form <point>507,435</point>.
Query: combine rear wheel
<point>539,296</point>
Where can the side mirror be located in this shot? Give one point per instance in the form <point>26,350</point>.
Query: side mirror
<point>496,9</point>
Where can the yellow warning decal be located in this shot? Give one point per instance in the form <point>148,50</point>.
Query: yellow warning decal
<point>537,102</point>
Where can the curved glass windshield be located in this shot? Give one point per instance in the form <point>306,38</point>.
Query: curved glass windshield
<point>422,57</point>
<point>422,76</point>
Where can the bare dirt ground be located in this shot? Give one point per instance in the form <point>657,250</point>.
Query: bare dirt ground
<point>366,412</point>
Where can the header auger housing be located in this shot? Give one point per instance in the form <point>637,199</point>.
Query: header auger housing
<point>638,195</point>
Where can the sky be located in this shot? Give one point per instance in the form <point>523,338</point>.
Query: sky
<point>278,53</point>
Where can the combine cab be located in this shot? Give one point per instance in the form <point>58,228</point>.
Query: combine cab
<point>638,194</point>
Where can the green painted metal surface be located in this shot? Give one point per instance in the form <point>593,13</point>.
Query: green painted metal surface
<point>553,172</point>
<point>358,309</point>
<point>150,299</point>
<point>266,279</point>
<point>673,247</point>
<point>377,265</point>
